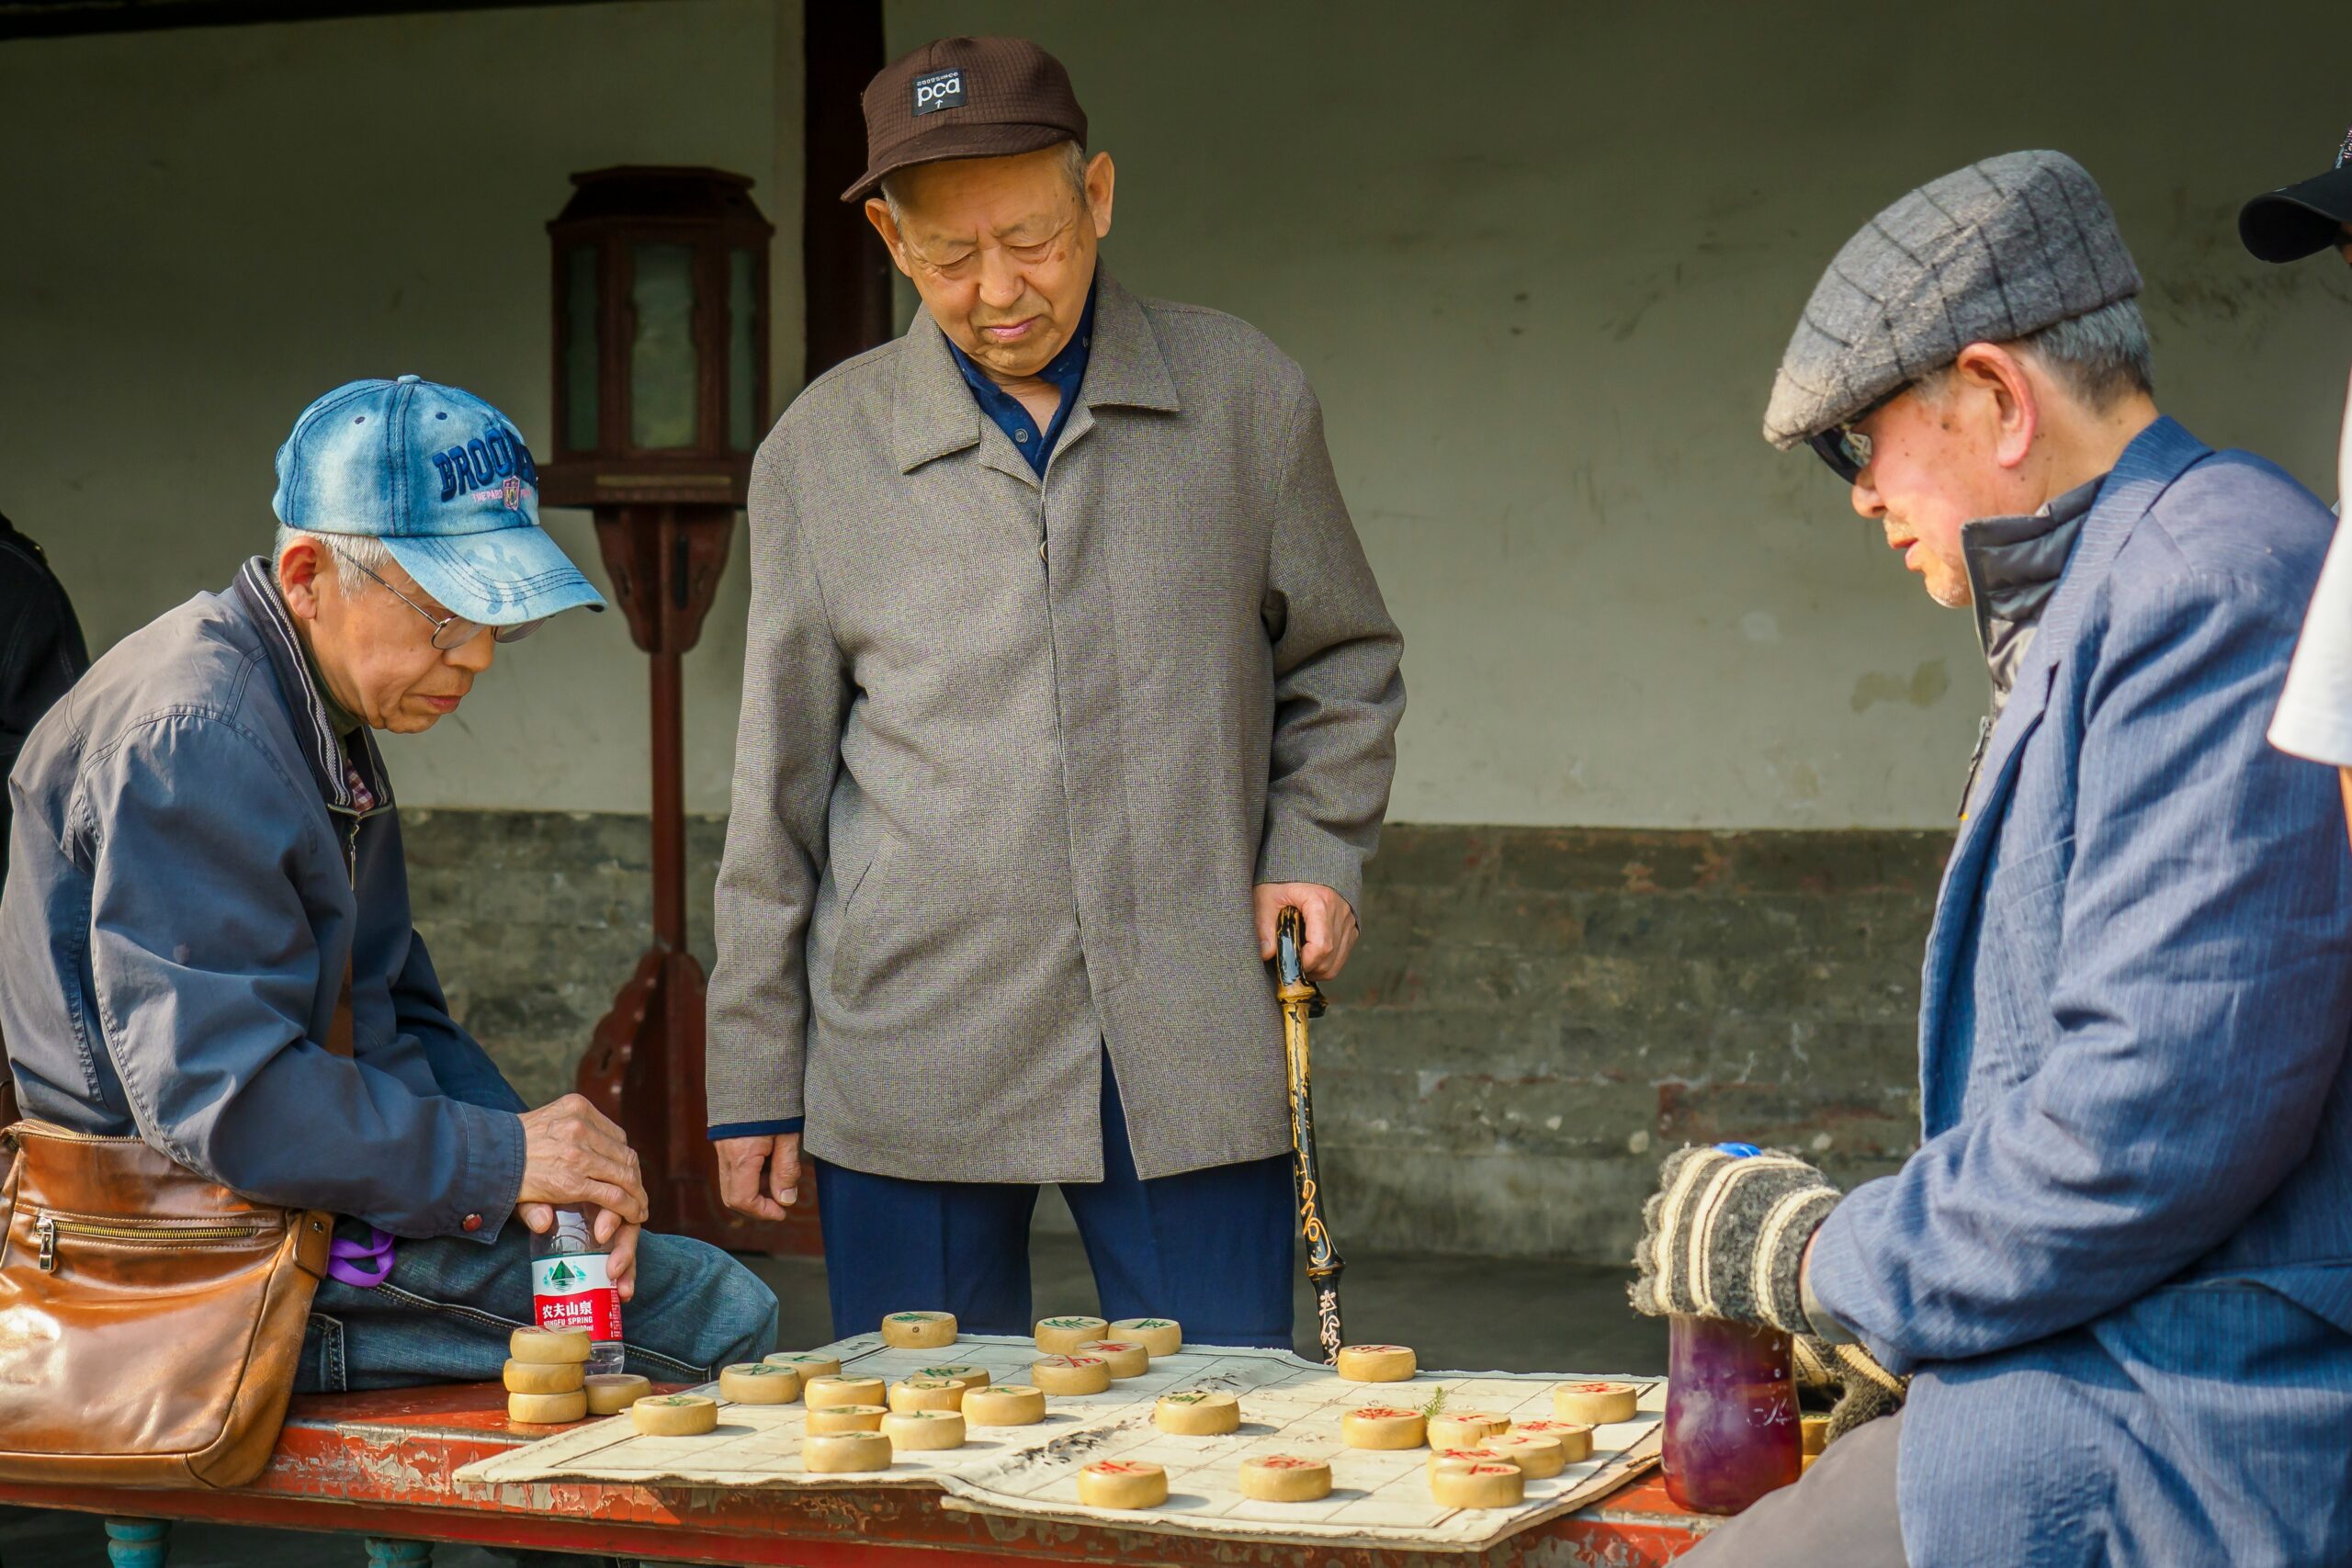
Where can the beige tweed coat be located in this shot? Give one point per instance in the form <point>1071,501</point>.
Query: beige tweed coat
<point>1014,753</point>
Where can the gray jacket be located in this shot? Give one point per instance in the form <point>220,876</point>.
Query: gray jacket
<point>1014,753</point>
<point>179,911</point>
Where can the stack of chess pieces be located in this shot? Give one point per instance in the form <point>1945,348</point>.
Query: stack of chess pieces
<point>549,1383</point>
<point>858,1424</point>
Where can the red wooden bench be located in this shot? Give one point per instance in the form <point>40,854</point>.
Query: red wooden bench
<point>381,1465</point>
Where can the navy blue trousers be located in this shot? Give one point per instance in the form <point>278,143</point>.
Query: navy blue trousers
<point>1210,1248</point>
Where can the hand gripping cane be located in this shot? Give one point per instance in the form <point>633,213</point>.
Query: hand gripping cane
<point>1302,1002</point>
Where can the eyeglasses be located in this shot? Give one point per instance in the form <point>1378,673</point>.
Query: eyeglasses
<point>449,632</point>
<point>1845,449</point>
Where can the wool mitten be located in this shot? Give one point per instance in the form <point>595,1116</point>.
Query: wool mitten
<point>1725,1236</point>
<point>1848,1380</point>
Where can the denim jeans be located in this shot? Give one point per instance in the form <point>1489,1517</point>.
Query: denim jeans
<point>445,1312</point>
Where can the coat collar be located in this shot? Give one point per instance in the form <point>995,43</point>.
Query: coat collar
<point>934,413</point>
<point>354,782</point>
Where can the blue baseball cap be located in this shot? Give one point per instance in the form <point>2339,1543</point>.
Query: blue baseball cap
<point>442,478</point>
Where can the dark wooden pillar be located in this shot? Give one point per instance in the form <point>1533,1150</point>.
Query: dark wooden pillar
<point>844,273</point>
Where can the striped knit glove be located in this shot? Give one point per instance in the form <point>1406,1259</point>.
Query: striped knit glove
<point>1725,1236</point>
<point>1849,1380</point>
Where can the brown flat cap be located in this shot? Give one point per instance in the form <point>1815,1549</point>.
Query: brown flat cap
<point>965,98</point>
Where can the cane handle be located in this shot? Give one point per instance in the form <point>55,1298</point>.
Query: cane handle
<point>1290,982</point>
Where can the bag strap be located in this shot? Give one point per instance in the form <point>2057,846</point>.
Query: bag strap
<point>339,1028</point>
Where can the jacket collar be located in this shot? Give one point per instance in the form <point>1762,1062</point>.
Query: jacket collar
<point>2014,565</point>
<point>933,411</point>
<point>352,781</point>
<point>2156,456</point>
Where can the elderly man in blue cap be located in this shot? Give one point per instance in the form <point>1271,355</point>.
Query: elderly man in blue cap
<point>206,855</point>
<point>2115,1271</point>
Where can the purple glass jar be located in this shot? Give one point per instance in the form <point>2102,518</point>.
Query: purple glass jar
<point>1730,1410</point>
<point>1731,1415</point>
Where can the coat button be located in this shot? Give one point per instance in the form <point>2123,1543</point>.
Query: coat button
<point>1041,549</point>
<point>472,1222</point>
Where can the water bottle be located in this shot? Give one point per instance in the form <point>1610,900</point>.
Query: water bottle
<point>572,1286</point>
<point>1732,1433</point>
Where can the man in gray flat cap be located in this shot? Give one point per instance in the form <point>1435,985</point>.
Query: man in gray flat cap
<point>2115,1273</point>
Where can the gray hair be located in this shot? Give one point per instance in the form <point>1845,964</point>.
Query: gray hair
<point>355,555</point>
<point>1073,165</point>
<point>2099,356</point>
<point>2102,355</point>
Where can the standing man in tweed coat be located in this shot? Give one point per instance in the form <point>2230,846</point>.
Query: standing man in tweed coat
<point>1066,674</point>
<point>2118,1273</point>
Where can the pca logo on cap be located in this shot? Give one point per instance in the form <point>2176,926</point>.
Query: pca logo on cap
<point>940,90</point>
<point>512,493</point>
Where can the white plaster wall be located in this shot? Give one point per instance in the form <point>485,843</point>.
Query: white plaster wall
<point>202,229</point>
<point>1541,259</point>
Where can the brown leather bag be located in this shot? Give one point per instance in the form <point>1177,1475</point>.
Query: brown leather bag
<point>151,1320</point>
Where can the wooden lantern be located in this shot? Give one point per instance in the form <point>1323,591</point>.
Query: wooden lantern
<point>660,397</point>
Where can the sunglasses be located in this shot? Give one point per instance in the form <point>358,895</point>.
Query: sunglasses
<point>1845,449</point>
<point>449,632</point>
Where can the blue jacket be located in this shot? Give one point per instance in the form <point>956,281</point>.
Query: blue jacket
<point>177,917</point>
<point>2119,1267</point>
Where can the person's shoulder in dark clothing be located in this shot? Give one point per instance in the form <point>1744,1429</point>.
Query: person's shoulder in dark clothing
<point>41,650</point>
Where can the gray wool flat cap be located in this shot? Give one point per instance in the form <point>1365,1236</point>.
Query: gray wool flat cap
<point>1987,254</point>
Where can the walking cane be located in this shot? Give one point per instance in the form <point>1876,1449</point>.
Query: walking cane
<point>1302,1002</point>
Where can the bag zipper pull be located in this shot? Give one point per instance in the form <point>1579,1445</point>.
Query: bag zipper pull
<point>45,1227</point>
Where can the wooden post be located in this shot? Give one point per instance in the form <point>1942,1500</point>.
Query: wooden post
<point>845,272</point>
<point>664,500</point>
<point>644,1066</point>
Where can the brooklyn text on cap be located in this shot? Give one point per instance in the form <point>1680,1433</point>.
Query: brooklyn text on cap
<point>965,98</point>
<point>2301,219</point>
<point>442,478</point>
<point>1988,253</point>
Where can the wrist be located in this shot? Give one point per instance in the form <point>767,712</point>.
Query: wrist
<point>1821,1320</point>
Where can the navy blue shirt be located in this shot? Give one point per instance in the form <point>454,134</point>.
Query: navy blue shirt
<point>1065,370</point>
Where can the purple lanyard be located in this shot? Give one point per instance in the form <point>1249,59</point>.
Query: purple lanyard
<point>349,1260</point>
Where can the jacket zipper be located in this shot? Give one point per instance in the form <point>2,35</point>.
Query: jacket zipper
<point>138,1233</point>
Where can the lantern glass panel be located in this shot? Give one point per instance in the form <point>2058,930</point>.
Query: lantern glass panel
<point>664,370</point>
<point>742,347</point>
<point>579,311</point>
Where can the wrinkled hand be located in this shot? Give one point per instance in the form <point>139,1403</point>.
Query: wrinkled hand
<point>1849,1380</point>
<point>610,1230</point>
<point>1330,933</point>
<point>1725,1237</point>
<point>760,1176</point>
<point>573,1153</point>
